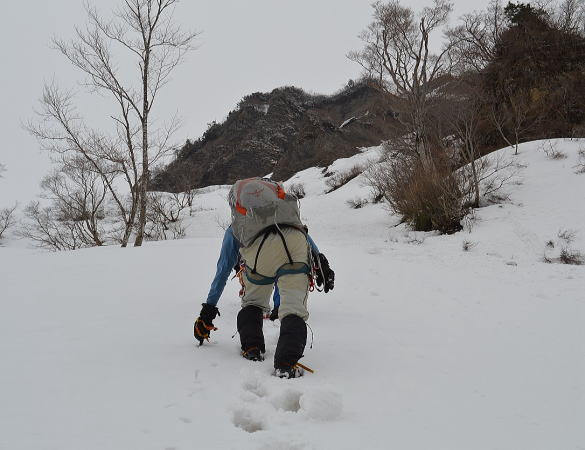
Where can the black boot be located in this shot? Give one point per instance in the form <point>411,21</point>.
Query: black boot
<point>251,336</point>
<point>290,347</point>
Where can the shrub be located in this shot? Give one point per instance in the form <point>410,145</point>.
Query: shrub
<point>427,198</point>
<point>342,178</point>
<point>569,256</point>
<point>165,216</point>
<point>566,255</point>
<point>467,245</point>
<point>297,190</point>
<point>567,236</point>
<point>357,203</point>
<point>552,152</point>
<point>580,166</point>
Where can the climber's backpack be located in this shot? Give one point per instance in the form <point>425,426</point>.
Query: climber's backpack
<point>259,203</point>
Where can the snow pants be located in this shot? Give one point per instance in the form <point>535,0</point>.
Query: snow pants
<point>293,288</point>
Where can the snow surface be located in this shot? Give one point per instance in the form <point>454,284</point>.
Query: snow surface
<point>420,346</point>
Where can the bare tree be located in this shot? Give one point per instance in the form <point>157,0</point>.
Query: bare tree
<point>64,134</point>
<point>568,16</point>
<point>474,40</point>
<point>144,33</point>
<point>397,56</point>
<point>465,114</point>
<point>78,194</point>
<point>75,208</point>
<point>7,219</point>
<point>165,219</point>
<point>513,118</point>
<point>44,227</point>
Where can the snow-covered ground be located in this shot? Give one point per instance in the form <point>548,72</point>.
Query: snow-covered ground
<point>421,345</point>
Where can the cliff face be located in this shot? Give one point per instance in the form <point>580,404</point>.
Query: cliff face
<point>281,132</point>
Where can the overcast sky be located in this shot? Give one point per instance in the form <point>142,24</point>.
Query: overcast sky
<point>244,46</point>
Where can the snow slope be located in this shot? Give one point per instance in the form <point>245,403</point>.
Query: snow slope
<point>420,346</point>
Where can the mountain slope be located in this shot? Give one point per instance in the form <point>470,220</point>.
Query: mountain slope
<point>281,132</point>
<point>421,344</point>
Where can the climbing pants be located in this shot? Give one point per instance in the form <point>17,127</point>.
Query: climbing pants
<point>293,287</point>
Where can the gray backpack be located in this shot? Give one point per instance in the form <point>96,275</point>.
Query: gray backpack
<point>259,203</point>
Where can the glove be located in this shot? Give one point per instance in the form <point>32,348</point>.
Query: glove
<point>274,314</point>
<point>325,276</point>
<point>204,324</point>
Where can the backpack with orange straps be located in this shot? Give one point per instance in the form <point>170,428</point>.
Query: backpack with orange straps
<point>258,203</point>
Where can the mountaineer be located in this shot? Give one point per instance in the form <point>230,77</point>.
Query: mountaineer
<point>271,245</point>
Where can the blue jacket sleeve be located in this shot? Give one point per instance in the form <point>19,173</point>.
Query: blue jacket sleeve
<point>314,247</point>
<point>228,258</point>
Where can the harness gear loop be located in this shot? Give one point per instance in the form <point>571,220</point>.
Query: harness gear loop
<point>240,276</point>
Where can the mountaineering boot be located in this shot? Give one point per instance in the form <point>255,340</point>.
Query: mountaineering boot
<point>290,347</point>
<point>293,372</point>
<point>251,336</point>
<point>253,354</point>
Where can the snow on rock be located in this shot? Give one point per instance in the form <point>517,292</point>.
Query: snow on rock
<point>263,108</point>
<point>421,345</point>
<point>347,122</point>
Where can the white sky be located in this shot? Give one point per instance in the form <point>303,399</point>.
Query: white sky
<point>245,46</point>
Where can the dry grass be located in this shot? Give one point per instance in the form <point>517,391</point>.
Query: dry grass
<point>428,198</point>
<point>357,203</point>
<point>468,245</point>
<point>573,257</point>
<point>567,255</point>
<point>580,166</point>
<point>551,151</point>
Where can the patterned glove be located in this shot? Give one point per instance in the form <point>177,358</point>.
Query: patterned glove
<point>204,324</point>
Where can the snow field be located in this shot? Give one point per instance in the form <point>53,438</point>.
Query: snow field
<point>421,344</point>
